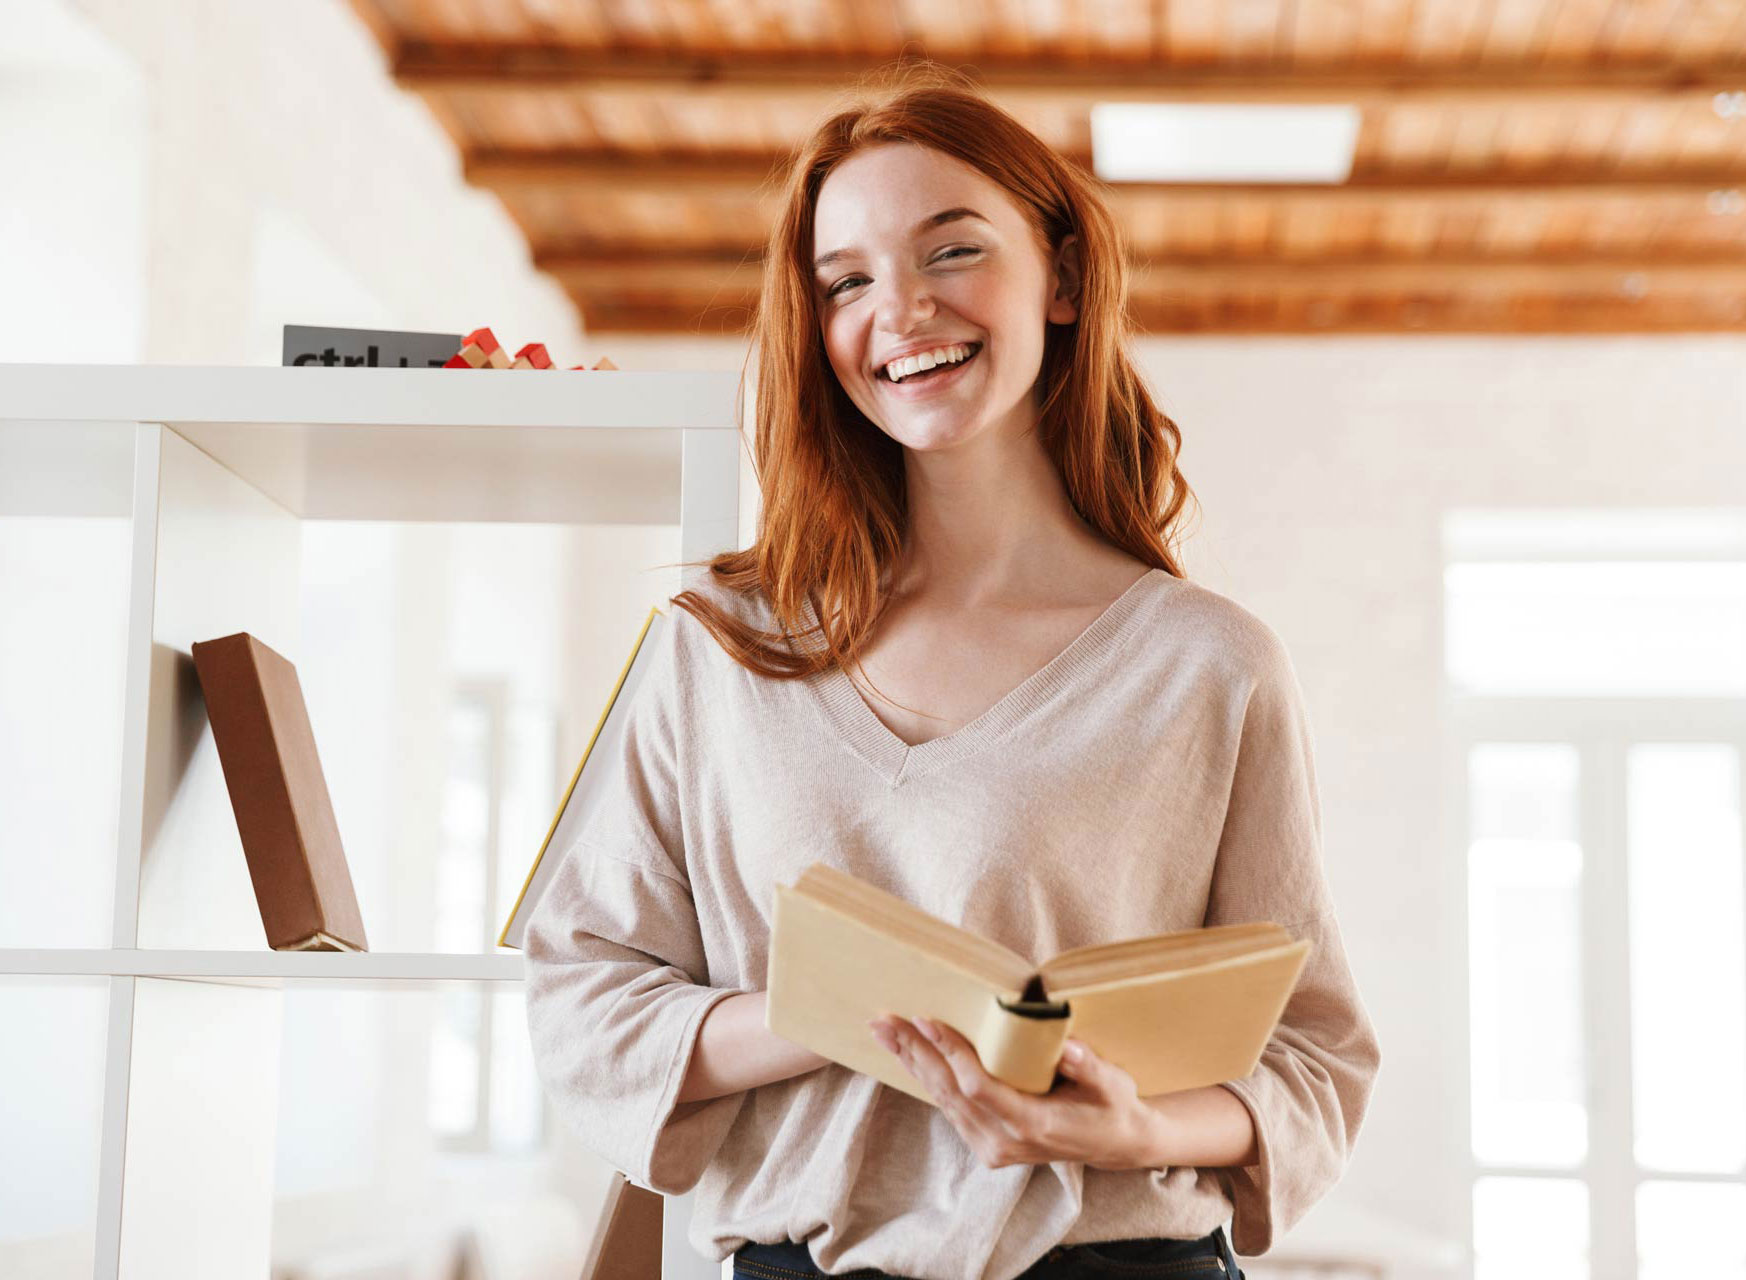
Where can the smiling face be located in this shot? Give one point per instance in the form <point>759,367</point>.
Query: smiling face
<point>924,254</point>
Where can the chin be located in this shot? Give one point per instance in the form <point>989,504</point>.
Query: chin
<point>936,433</point>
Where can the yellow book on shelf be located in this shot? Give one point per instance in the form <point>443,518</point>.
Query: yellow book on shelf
<point>1175,1010</point>
<point>582,796</point>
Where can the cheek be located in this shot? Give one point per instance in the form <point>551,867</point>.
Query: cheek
<point>1001,307</point>
<point>839,350</point>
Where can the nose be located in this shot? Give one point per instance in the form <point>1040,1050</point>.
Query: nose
<point>905,298</point>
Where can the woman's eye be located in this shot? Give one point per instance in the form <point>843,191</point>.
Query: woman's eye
<point>846,281</point>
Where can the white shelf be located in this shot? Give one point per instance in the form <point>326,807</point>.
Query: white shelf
<point>352,969</point>
<point>182,395</point>
<point>214,469</point>
<point>601,447</point>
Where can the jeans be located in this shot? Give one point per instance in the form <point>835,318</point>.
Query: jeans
<point>1144,1258</point>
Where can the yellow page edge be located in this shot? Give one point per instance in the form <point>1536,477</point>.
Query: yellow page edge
<point>611,701</point>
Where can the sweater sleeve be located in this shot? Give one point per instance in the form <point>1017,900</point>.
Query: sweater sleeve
<point>1309,1091</point>
<point>616,971</point>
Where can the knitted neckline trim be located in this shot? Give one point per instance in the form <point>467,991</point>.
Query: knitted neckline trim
<point>897,761</point>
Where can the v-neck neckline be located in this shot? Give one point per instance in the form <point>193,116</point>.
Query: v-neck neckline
<point>898,761</point>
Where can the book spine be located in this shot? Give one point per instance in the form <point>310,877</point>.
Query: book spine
<point>1019,1049</point>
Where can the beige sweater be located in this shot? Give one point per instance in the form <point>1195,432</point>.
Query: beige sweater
<point>1156,775</point>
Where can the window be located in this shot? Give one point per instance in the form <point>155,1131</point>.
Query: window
<point>501,791</point>
<point>1596,677</point>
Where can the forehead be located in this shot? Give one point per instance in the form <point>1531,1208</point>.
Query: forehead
<point>882,192</point>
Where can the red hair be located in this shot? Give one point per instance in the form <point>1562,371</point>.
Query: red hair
<point>833,491</point>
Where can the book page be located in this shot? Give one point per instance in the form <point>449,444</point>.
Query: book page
<point>1137,957</point>
<point>997,965</point>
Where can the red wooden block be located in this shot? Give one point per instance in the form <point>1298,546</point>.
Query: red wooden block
<point>491,352</point>
<point>484,339</point>
<point>533,356</point>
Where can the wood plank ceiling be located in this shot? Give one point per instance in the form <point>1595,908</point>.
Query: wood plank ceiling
<point>1527,166</point>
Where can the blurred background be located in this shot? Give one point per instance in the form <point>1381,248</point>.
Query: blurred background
<point>1448,298</point>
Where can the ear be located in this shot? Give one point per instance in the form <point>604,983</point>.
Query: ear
<point>1064,306</point>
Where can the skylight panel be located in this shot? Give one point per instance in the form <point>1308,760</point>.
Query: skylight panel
<point>1222,142</point>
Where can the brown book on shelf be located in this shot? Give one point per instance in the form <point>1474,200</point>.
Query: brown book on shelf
<point>1175,1010</point>
<point>279,795</point>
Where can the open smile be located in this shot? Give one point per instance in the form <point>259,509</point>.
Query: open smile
<point>929,381</point>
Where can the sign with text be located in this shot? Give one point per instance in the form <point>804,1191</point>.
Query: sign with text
<point>367,348</point>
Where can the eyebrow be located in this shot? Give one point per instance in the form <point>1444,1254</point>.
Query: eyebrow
<point>926,224</point>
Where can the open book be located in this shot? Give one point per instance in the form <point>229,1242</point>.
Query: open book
<point>1176,1010</point>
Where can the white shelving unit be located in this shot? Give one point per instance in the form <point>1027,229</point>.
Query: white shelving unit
<point>226,464</point>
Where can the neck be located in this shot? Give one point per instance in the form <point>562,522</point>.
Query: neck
<point>989,520</point>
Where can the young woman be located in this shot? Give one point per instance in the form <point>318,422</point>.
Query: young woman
<point>1054,739</point>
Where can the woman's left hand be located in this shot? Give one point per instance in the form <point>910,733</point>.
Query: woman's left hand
<point>1097,1117</point>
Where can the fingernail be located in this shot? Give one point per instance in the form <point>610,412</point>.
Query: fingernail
<point>928,1029</point>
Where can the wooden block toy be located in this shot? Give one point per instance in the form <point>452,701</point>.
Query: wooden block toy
<point>486,341</point>
<point>532,356</point>
<point>479,350</point>
<point>604,363</point>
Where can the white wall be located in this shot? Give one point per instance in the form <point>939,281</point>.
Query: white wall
<point>1324,467</point>
<point>72,200</point>
<point>285,180</point>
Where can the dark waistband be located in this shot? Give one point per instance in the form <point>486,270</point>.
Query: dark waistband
<point>793,1256</point>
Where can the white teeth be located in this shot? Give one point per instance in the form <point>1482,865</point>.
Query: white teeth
<point>898,370</point>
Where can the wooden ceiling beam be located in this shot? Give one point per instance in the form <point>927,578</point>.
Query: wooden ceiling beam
<point>702,276</point>
<point>742,175</point>
<point>723,173</point>
<point>1400,317</point>
<point>1235,317</point>
<point>815,75</point>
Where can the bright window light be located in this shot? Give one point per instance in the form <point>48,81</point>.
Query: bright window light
<point>1221,142</point>
<point>1604,629</point>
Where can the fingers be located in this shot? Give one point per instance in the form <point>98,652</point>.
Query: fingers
<point>948,1066</point>
<point>1004,1125</point>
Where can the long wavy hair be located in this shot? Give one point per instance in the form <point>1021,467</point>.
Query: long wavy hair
<point>834,496</point>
